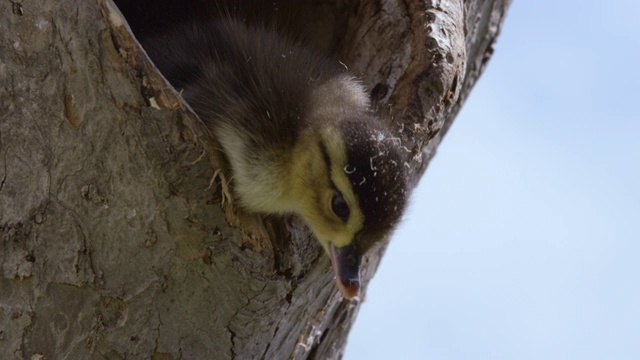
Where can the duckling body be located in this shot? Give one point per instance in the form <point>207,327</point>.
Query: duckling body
<point>297,131</point>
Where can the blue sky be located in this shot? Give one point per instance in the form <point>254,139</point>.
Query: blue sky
<point>523,239</point>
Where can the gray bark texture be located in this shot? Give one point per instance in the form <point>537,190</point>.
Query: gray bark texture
<point>114,243</point>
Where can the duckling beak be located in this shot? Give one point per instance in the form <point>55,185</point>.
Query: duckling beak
<point>346,266</point>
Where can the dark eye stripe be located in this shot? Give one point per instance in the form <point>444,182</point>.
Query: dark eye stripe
<point>325,156</point>
<point>339,205</point>
<point>327,160</point>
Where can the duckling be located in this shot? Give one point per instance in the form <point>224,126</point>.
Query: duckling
<point>297,130</point>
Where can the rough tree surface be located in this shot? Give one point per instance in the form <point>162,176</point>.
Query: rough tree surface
<point>113,240</point>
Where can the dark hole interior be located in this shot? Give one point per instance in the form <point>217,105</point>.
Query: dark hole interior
<point>322,24</point>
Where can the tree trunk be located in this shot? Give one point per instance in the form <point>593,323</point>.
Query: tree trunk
<point>113,240</point>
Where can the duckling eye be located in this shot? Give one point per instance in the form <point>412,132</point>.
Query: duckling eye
<point>340,207</point>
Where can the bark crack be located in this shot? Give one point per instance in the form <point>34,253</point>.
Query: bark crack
<point>4,174</point>
<point>232,333</point>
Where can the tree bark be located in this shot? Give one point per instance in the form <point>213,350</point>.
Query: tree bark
<point>113,240</point>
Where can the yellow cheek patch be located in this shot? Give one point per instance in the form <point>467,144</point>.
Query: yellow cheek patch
<point>315,185</point>
<point>338,154</point>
